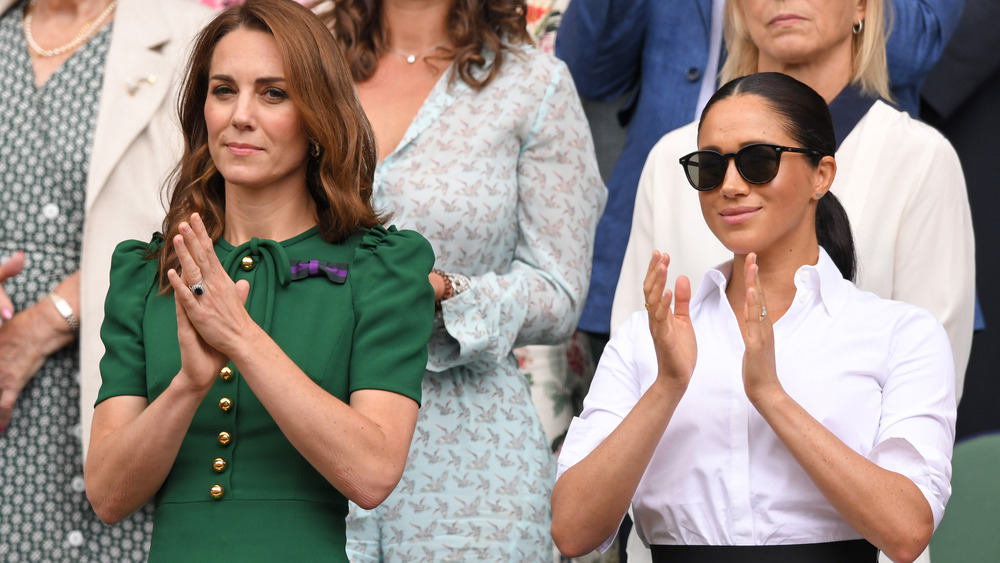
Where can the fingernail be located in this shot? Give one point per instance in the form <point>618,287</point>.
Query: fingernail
<point>7,314</point>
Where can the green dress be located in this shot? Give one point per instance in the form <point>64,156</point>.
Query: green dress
<point>355,315</point>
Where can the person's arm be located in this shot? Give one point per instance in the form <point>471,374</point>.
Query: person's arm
<point>920,30</point>
<point>884,505</point>
<point>642,237</point>
<point>560,196</point>
<point>30,336</point>
<point>590,498</point>
<point>601,41</point>
<point>937,221</point>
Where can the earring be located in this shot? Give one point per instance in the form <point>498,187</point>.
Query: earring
<point>819,196</point>
<point>858,27</point>
<point>314,149</point>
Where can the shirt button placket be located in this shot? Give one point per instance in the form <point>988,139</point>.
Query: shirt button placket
<point>227,375</point>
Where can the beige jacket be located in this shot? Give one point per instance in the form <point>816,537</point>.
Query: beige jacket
<point>136,144</point>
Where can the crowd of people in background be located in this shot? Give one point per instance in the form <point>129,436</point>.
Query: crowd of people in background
<point>345,279</point>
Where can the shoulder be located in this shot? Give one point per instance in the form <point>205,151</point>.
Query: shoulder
<point>677,143</point>
<point>897,319</point>
<point>136,251</point>
<point>184,18</point>
<point>900,127</point>
<point>531,67</point>
<point>391,244</point>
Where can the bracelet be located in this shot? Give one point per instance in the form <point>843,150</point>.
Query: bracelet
<point>66,311</point>
<point>449,289</point>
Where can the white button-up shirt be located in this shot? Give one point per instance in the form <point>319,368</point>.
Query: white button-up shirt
<point>877,373</point>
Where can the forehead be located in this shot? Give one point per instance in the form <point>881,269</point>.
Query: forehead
<point>247,51</point>
<point>740,120</point>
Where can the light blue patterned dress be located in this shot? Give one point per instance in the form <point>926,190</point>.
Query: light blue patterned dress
<point>504,184</point>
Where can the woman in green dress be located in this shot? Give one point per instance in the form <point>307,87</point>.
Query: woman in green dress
<point>264,357</point>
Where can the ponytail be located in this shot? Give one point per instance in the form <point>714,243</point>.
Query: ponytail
<point>833,231</point>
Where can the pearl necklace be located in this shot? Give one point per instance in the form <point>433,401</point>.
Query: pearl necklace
<point>412,57</point>
<point>85,33</point>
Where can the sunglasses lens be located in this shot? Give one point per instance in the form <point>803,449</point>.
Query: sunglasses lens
<point>758,163</point>
<point>705,170</point>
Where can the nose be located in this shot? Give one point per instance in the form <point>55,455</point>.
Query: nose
<point>733,184</point>
<point>243,111</point>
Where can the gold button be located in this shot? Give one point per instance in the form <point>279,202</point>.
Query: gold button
<point>224,438</point>
<point>247,263</point>
<point>219,464</point>
<point>225,404</point>
<point>225,373</point>
<point>216,491</point>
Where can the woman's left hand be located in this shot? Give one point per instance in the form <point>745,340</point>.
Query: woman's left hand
<point>218,314</point>
<point>760,376</point>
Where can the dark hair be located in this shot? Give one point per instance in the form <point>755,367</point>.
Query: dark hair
<point>339,179</point>
<point>806,118</point>
<point>473,26</point>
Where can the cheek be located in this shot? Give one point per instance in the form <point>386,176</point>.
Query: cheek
<point>215,119</point>
<point>291,128</point>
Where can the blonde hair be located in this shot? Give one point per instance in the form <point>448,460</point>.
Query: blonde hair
<point>870,69</point>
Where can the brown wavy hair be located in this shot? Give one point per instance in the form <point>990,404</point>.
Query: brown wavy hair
<point>339,179</point>
<point>474,27</point>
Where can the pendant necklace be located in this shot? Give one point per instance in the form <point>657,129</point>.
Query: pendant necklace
<point>412,57</point>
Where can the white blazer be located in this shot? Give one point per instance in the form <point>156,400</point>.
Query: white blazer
<point>136,144</point>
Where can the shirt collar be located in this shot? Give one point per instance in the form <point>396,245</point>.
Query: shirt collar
<point>824,278</point>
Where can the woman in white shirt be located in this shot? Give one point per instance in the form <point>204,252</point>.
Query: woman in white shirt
<point>812,421</point>
<point>899,179</point>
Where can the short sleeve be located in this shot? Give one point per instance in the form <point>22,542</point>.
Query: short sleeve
<point>123,367</point>
<point>393,310</point>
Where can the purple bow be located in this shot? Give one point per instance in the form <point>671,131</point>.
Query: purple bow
<point>334,271</point>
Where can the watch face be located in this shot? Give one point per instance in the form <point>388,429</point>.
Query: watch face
<point>459,283</point>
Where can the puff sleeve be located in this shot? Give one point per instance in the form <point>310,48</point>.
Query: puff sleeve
<point>393,311</point>
<point>133,274</point>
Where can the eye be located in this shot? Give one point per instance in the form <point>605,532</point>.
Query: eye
<point>221,90</point>
<point>275,94</point>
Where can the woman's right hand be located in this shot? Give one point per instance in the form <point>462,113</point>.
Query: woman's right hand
<point>672,331</point>
<point>200,360</point>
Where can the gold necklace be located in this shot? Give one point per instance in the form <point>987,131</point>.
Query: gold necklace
<point>86,32</point>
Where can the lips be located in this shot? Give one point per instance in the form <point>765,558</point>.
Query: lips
<point>737,215</point>
<point>785,19</point>
<point>242,149</point>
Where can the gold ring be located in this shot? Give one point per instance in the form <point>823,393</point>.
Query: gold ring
<point>647,306</point>
<point>763,314</point>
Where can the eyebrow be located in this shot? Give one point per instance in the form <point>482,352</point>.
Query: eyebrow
<point>262,80</point>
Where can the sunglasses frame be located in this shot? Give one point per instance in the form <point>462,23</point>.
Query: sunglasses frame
<point>778,150</point>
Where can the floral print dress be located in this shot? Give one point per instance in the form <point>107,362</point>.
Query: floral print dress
<point>504,184</point>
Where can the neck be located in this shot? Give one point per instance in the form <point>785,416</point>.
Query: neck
<point>75,9</point>
<point>828,75</point>
<point>776,271</point>
<point>267,213</point>
<point>412,26</point>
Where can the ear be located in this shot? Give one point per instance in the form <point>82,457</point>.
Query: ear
<point>826,171</point>
<point>859,14</point>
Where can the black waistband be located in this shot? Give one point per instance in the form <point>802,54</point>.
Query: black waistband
<point>849,551</point>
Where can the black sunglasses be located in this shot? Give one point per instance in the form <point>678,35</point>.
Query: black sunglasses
<point>757,163</point>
